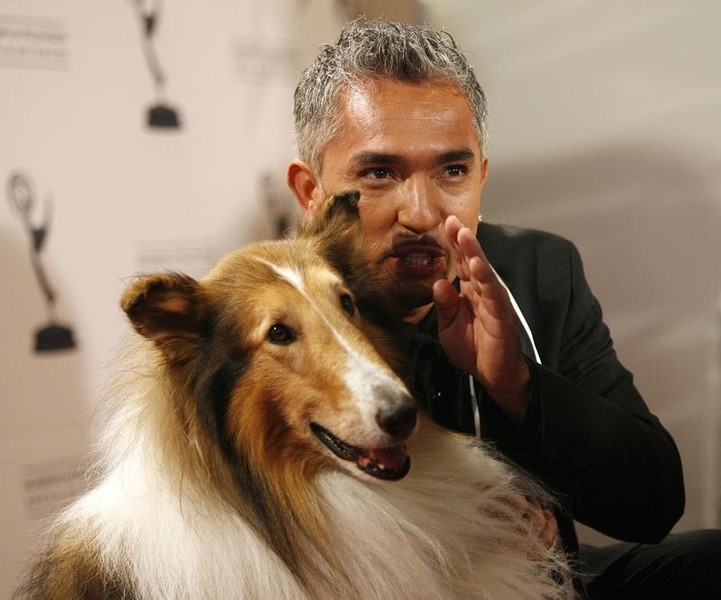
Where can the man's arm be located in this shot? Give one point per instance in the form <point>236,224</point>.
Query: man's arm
<point>477,326</point>
<point>582,425</point>
<point>594,434</point>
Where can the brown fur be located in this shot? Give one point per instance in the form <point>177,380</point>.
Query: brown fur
<point>71,569</point>
<point>181,316</point>
<point>227,376</point>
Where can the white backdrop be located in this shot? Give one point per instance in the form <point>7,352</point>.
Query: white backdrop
<point>606,128</point>
<point>125,198</point>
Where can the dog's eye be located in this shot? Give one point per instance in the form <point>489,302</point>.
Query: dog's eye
<point>346,303</point>
<point>281,334</point>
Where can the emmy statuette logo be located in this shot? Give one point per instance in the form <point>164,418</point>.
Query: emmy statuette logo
<point>160,114</point>
<point>21,196</point>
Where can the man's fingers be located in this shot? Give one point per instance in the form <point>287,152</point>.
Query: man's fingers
<point>453,226</point>
<point>478,280</point>
<point>446,301</point>
<point>468,243</point>
<point>550,530</point>
<point>543,522</point>
<point>471,260</point>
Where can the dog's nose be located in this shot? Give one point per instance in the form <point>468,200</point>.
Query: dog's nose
<point>398,421</point>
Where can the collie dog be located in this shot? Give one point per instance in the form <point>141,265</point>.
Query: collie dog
<point>258,444</point>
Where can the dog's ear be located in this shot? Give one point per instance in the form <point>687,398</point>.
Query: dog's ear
<point>344,206</point>
<point>171,310</point>
<point>338,212</point>
<point>336,233</point>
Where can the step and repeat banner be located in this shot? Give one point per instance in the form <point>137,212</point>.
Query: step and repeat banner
<point>137,135</point>
<point>143,135</point>
<point>606,128</point>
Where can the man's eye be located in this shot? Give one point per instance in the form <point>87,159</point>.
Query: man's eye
<point>377,173</point>
<point>456,170</point>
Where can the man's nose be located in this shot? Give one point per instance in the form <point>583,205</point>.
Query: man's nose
<point>419,208</point>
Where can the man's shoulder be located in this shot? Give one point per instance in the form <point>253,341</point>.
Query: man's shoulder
<point>539,268</point>
<point>507,241</point>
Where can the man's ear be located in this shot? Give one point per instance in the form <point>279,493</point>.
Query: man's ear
<point>304,185</point>
<point>484,170</point>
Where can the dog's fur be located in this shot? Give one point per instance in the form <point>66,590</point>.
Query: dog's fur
<point>213,483</point>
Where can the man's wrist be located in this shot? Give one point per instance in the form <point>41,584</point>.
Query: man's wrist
<point>513,400</point>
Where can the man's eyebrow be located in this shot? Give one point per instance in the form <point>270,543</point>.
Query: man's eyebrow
<point>462,155</point>
<point>370,158</point>
<point>375,158</point>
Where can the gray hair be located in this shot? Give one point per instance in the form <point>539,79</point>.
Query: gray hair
<point>376,49</point>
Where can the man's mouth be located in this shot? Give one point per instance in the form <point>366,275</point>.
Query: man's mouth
<point>420,259</point>
<point>390,463</point>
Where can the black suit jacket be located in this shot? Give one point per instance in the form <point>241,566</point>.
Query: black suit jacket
<point>587,433</point>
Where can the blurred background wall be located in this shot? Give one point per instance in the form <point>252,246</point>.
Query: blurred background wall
<point>606,128</point>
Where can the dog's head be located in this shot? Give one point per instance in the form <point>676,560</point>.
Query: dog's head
<point>272,354</point>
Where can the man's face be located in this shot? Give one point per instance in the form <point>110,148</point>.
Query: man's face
<point>412,152</point>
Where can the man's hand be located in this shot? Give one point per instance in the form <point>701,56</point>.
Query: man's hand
<point>543,521</point>
<point>478,328</point>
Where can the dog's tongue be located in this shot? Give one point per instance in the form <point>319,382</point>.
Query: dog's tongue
<point>391,458</point>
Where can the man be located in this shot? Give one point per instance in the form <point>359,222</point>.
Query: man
<point>395,112</point>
